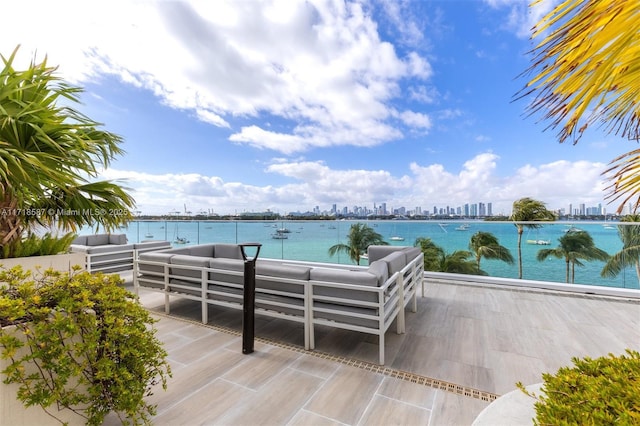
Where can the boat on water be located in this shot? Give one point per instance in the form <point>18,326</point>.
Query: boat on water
<point>539,242</point>
<point>397,238</point>
<point>148,235</point>
<point>180,240</point>
<point>463,227</point>
<point>279,236</point>
<point>283,231</point>
<point>572,228</point>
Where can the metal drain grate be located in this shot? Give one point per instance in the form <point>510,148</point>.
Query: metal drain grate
<point>368,366</point>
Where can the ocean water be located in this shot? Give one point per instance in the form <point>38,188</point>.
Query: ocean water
<point>310,240</point>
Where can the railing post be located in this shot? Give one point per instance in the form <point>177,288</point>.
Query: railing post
<point>249,297</point>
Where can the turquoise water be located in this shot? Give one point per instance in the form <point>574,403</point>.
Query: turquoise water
<point>310,240</point>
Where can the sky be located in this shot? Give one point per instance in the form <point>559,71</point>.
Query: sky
<point>247,106</point>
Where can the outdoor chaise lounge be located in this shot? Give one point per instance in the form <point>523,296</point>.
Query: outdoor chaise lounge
<point>359,298</point>
<point>112,252</point>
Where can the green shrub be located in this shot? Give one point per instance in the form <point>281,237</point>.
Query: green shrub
<point>601,391</point>
<point>80,329</point>
<point>35,245</point>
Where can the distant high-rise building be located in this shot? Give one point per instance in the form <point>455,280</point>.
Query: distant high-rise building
<point>489,210</point>
<point>482,210</point>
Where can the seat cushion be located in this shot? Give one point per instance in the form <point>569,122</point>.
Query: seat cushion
<point>344,276</point>
<point>109,248</point>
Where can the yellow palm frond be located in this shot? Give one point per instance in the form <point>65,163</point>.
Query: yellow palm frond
<point>586,67</point>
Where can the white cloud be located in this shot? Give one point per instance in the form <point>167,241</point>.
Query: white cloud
<point>416,119</point>
<point>521,17</point>
<point>314,183</point>
<point>320,62</point>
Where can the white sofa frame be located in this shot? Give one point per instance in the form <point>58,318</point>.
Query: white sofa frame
<point>309,307</point>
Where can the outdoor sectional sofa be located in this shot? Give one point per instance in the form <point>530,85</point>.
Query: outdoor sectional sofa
<point>112,252</point>
<point>361,298</point>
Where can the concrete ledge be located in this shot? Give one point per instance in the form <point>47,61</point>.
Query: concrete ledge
<point>627,293</point>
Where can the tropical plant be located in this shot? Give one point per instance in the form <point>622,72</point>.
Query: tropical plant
<point>359,238</point>
<point>585,71</point>
<point>524,211</point>
<point>49,156</point>
<point>574,246</point>
<point>485,244</point>
<point>436,259</point>
<point>432,253</point>
<point>38,245</point>
<point>79,341</point>
<point>601,391</point>
<point>629,255</point>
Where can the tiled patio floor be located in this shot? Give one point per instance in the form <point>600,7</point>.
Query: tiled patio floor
<point>481,339</point>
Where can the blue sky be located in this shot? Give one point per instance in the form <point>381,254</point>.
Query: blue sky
<point>247,106</point>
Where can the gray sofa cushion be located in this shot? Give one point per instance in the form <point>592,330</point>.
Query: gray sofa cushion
<point>377,252</point>
<point>110,248</point>
<point>395,261</point>
<point>344,277</point>
<point>187,260</point>
<point>98,240</point>
<point>156,256</point>
<point>228,265</point>
<point>206,250</point>
<point>380,269</point>
<point>80,240</point>
<point>411,253</point>
<point>148,245</point>
<point>230,251</point>
<point>117,239</point>
<point>276,270</point>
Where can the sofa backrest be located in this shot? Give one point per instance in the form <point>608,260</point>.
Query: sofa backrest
<point>117,239</point>
<point>229,251</point>
<point>205,250</point>
<point>98,240</point>
<point>396,261</point>
<point>377,252</point>
<point>80,240</point>
<point>411,253</point>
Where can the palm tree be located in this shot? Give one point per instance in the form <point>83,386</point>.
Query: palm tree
<point>629,256</point>
<point>585,72</point>
<point>485,244</point>
<point>359,238</point>
<point>432,253</point>
<point>528,210</point>
<point>49,156</point>
<point>437,260</point>
<point>573,247</point>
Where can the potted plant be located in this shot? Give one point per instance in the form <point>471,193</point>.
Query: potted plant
<point>80,342</point>
<point>602,391</point>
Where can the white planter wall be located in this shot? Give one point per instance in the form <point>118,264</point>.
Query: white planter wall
<point>59,262</point>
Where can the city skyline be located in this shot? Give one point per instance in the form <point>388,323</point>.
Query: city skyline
<point>234,106</point>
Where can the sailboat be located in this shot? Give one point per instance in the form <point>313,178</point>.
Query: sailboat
<point>178,239</point>
<point>148,234</point>
<point>395,236</point>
